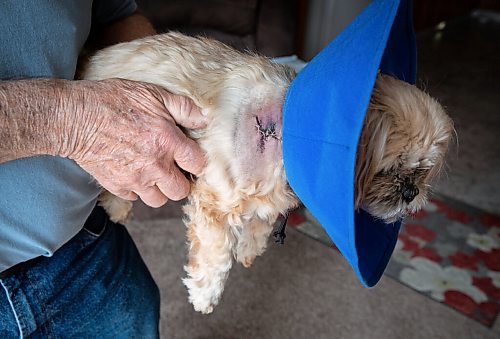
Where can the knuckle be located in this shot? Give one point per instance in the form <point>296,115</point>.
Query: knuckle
<point>114,189</point>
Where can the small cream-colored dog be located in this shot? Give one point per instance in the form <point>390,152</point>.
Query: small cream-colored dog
<point>234,203</point>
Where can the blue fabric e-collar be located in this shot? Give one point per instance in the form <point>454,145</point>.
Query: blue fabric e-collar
<point>322,119</point>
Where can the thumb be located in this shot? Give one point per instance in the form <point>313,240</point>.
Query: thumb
<point>184,111</point>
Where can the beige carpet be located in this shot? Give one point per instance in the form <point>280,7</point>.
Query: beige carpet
<point>300,290</point>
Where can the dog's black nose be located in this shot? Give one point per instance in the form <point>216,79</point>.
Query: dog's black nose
<point>410,191</point>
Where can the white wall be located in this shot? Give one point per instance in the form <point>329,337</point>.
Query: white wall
<point>325,19</point>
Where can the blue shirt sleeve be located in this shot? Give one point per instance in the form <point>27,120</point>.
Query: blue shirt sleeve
<point>106,11</point>
<point>44,200</point>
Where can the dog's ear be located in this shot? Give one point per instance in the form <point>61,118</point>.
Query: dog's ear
<point>441,147</point>
<point>371,149</point>
<point>378,127</point>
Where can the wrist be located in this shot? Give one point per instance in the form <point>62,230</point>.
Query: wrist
<point>28,116</point>
<point>77,118</point>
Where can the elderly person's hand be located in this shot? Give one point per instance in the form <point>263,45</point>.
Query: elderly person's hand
<point>131,144</point>
<point>123,133</point>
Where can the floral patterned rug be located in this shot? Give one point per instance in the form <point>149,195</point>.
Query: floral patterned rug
<point>449,252</point>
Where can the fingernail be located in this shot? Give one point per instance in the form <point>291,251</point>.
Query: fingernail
<point>204,111</point>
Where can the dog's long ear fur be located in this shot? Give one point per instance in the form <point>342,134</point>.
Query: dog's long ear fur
<point>371,147</point>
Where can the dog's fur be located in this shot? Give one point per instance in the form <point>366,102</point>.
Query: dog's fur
<point>243,189</point>
<point>402,146</point>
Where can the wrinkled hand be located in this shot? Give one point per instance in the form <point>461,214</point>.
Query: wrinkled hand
<point>129,141</point>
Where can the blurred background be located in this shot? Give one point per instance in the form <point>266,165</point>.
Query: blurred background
<point>444,278</point>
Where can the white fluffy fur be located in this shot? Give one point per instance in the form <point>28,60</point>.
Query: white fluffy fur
<point>230,211</point>
<point>235,201</point>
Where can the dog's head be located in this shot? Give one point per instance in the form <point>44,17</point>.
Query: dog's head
<point>402,145</point>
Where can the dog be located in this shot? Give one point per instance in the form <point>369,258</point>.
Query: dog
<point>235,201</point>
<point>405,136</point>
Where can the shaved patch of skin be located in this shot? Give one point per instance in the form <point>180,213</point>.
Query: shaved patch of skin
<point>257,140</point>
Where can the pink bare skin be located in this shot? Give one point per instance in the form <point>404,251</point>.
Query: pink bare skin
<point>258,138</point>
<point>124,133</point>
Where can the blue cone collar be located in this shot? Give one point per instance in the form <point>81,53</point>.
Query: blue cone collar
<point>322,119</point>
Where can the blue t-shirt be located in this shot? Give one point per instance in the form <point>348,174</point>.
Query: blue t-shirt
<point>45,200</point>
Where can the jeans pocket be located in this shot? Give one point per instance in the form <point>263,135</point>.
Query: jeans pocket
<point>95,233</point>
<point>88,236</point>
<point>96,223</point>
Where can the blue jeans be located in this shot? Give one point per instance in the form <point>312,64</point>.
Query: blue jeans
<point>95,286</point>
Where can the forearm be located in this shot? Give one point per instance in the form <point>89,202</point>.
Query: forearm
<point>123,133</point>
<point>38,116</point>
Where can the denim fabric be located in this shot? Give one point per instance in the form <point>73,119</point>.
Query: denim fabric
<point>95,286</point>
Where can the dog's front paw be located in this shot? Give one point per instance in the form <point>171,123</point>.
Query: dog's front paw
<point>202,297</point>
<point>203,306</point>
<point>252,241</point>
<point>246,261</point>
<point>246,252</point>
